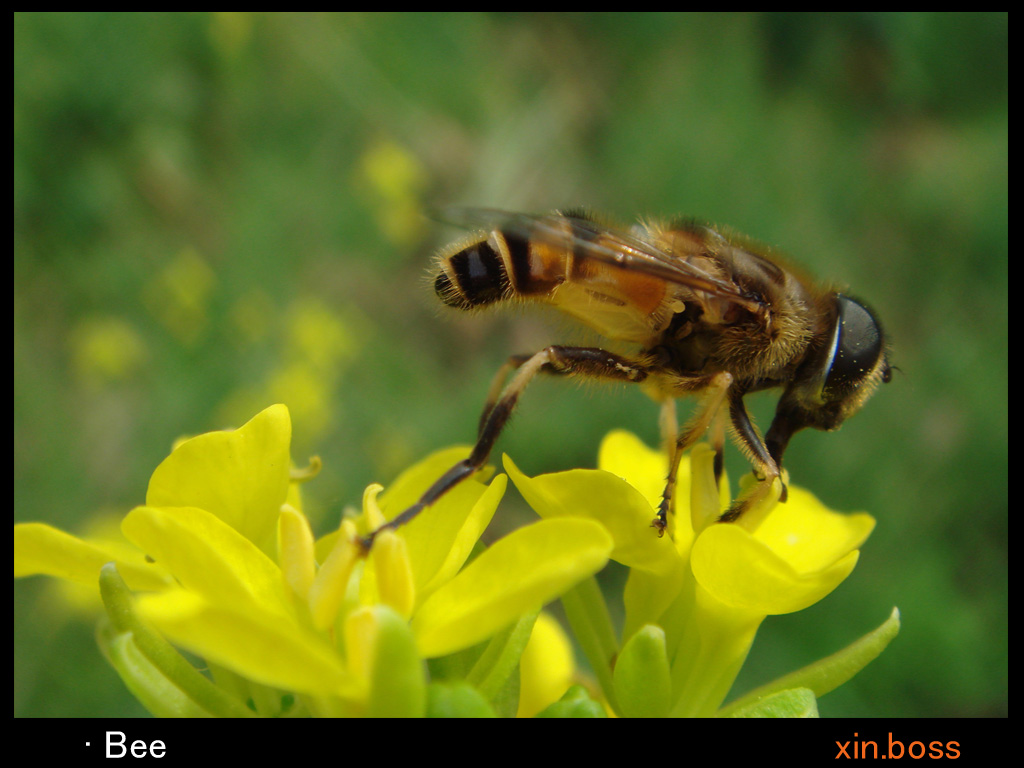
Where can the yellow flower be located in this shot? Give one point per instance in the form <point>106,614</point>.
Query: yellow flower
<point>226,566</point>
<point>707,586</point>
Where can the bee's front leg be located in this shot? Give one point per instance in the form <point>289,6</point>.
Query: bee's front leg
<point>765,467</point>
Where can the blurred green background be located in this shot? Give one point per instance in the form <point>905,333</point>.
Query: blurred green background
<point>215,212</point>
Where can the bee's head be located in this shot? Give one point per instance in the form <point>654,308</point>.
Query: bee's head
<point>836,379</point>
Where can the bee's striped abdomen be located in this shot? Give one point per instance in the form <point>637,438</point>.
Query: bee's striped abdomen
<point>500,267</point>
<point>473,277</point>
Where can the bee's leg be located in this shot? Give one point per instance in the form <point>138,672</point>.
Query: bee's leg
<point>783,427</point>
<point>754,446</point>
<point>718,443</point>
<point>497,385</point>
<point>668,424</point>
<point>715,387</point>
<point>579,361</point>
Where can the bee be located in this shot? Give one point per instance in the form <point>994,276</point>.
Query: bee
<point>705,313</point>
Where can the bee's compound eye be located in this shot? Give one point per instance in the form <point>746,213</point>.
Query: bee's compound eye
<point>858,347</point>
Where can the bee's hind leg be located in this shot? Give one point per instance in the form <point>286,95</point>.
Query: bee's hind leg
<point>579,361</point>
<point>498,385</point>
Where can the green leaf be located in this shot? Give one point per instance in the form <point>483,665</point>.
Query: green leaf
<point>828,673</point>
<point>399,684</point>
<point>152,669</point>
<point>796,702</point>
<point>643,686</point>
<point>501,658</point>
<point>147,682</point>
<point>575,703</point>
<point>456,699</point>
<point>591,623</point>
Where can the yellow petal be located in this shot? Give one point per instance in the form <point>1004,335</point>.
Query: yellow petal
<point>296,550</point>
<point>743,572</point>
<point>256,645</point>
<point>331,583</point>
<point>441,537</point>
<point>240,476</point>
<point>467,536</point>
<point>207,556</point>
<point>393,572</point>
<point>608,499</point>
<point>546,668</point>
<point>43,549</point>
<point>521,572</point>
<point>624,454</point>
<point>810,536</point>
